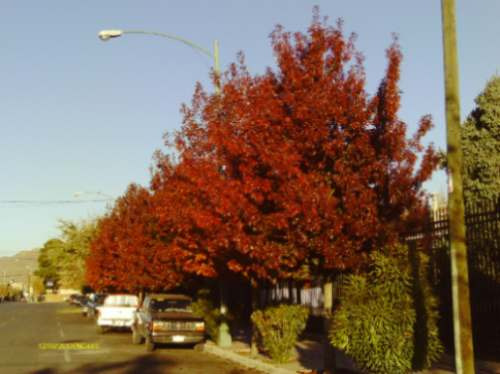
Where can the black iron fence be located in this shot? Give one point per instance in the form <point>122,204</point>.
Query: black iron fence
<point>483,245</point>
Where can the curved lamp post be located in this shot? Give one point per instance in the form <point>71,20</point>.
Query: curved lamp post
<point>106,35</point>
<point>224,337</point>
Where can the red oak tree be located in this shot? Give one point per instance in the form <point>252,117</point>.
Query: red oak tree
<point>296,166</point>
<point>128,253</point>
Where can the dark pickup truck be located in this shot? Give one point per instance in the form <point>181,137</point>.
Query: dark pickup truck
<point>166,318</point>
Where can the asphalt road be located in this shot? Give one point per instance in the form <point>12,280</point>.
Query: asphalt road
<point>52,338</point>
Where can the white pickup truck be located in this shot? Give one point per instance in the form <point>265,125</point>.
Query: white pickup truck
<point>117,311</point>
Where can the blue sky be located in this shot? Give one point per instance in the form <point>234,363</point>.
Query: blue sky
<point>77,114</point>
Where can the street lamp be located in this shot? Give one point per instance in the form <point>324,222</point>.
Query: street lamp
<point>106,35</point>
<point>224,337</point>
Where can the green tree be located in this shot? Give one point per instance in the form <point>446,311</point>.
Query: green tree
<point>48,260</point>
<point>38,286</point>
<point>481,145</point>
<point>76,237</point>
<point>4,291</point>
<point>63,259</point>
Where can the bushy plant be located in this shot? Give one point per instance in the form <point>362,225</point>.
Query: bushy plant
<point>205,308</point>
<point>387,319</point>
<point>279,328</point>
<point>4,291</point>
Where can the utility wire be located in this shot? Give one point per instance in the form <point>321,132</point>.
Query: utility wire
<point>52,202</point>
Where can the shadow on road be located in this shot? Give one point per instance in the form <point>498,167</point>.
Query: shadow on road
<point>144,364</point>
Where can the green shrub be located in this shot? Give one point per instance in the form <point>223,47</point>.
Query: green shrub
<point>279,328</point>
<point>204,308</point>
<point>387,319</point>
<point>4,291</point>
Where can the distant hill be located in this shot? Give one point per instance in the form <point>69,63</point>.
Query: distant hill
<point>16,268</point>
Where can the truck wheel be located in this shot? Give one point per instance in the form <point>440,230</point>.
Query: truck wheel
<point>150,345</point>
<point>136,338</point>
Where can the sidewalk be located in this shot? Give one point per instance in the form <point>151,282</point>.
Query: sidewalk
<point>308,358</point>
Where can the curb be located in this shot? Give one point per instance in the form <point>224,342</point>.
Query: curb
<point>245,361</point>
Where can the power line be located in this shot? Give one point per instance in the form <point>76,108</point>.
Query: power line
<point>52,202</point>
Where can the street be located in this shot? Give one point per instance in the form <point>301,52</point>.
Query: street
<point>50,338</point>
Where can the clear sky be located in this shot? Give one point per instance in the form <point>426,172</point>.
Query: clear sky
<point>77,114</point>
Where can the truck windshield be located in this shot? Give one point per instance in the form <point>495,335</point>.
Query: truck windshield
<point>170,305</point>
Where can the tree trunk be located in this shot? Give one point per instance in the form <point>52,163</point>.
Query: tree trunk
<point>224,336</point>
<point>255,305</point>
<point>299,293</point>
<point>141,296</point>
<point>329,362</point>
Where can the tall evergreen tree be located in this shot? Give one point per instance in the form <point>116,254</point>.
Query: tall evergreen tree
<point>481,145</point>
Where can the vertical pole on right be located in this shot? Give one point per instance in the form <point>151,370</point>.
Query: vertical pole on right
<point>462,322</point>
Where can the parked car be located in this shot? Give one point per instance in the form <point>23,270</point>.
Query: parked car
<point>117,311</point>
<point>89,308</point>
<point>166,318</point>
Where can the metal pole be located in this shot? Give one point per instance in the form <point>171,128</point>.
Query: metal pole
<point>107,34</point>
<point>224,338</point>
<point>170,36</point>
<point>464,352</point>
<point>216,67</point>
